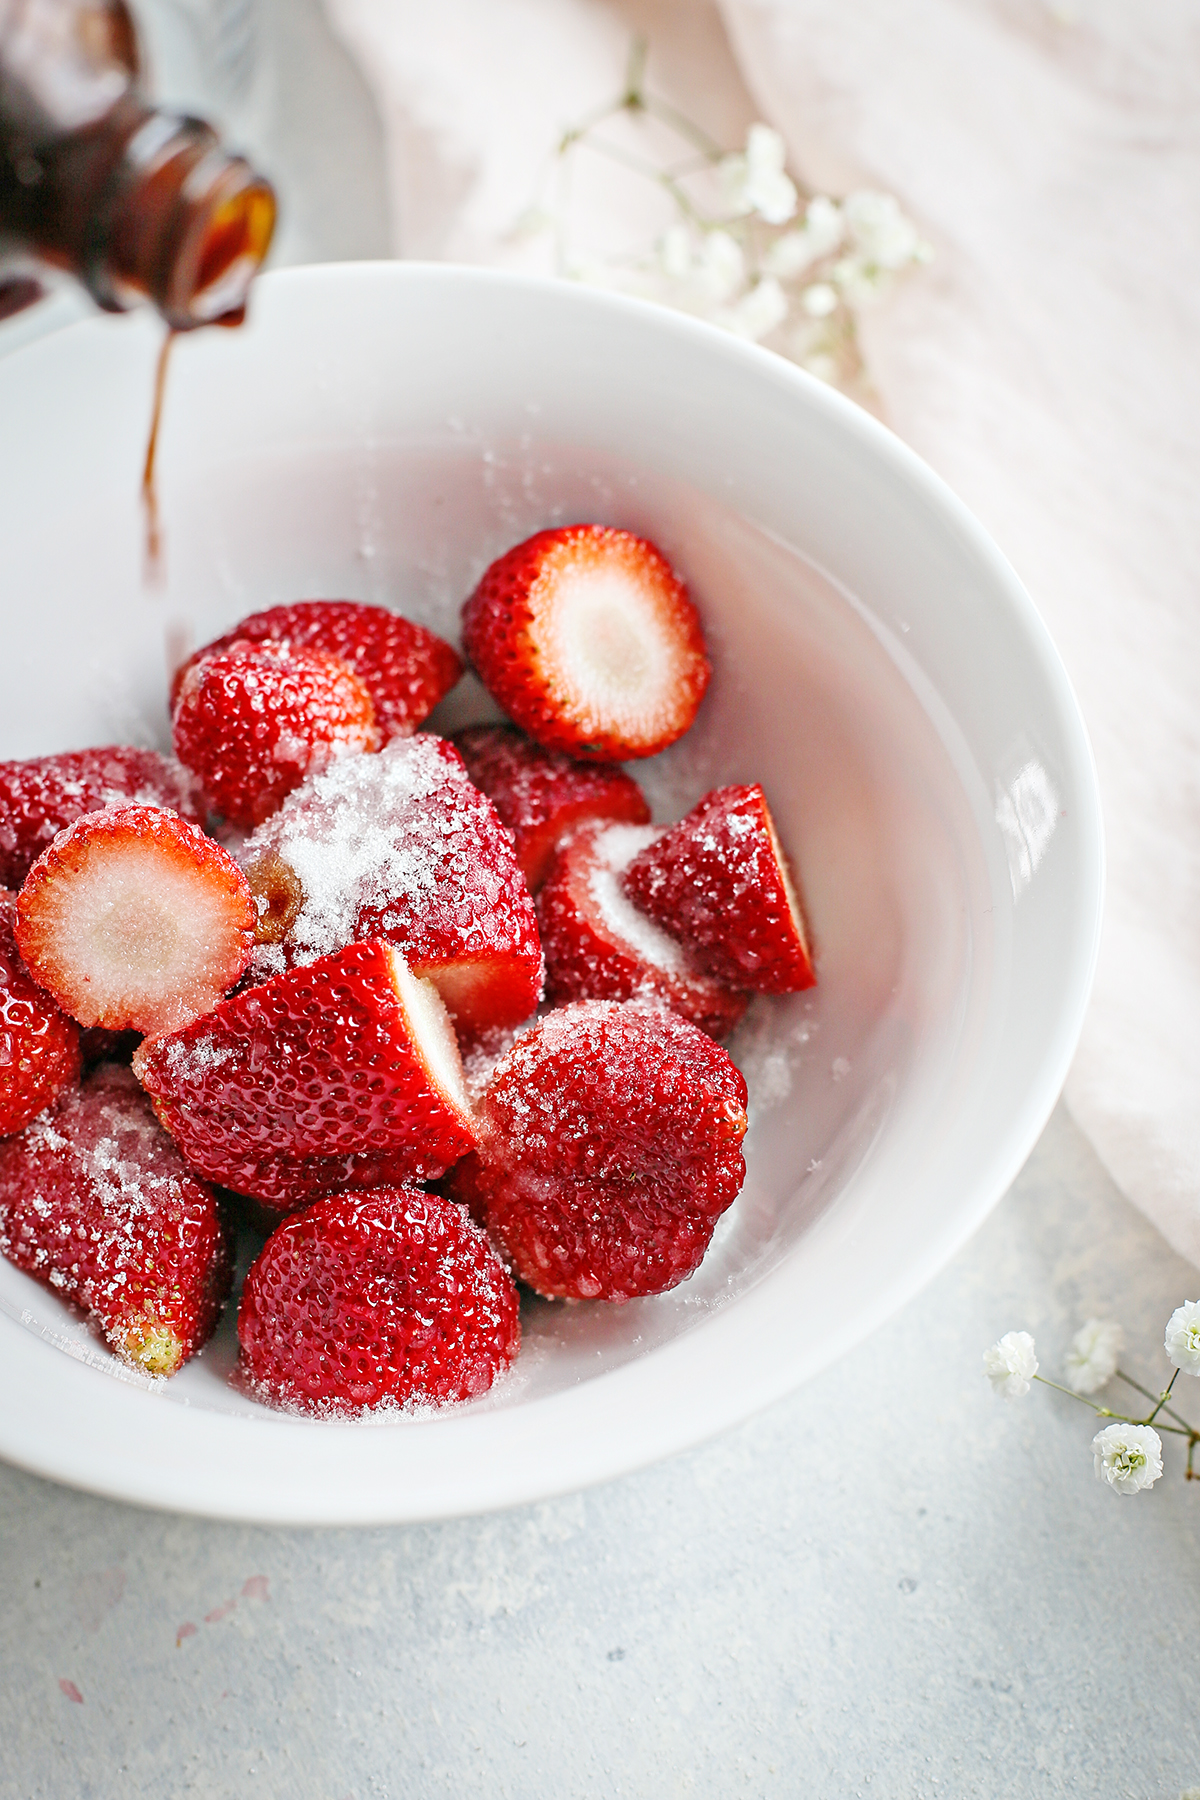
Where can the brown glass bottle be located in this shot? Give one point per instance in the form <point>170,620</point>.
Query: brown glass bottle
<point>139,204</point>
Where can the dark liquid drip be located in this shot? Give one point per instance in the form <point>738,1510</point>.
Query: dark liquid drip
<point>154,572</point>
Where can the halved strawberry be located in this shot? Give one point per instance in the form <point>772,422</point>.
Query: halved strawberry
<point>587,638</point>
<point>403,847</point>
<point>599,947</point>
<point>719,883</point>
<point>252,721</point>
<point>134,920</point>
<point>39,1045</point>
<point>405,668</point>
<point>44,794</point>
<point>340,1074</point>
<point>610,1144</point>
<point>541,795</point>
<point>96,1201</point>
<point>369,1299</point>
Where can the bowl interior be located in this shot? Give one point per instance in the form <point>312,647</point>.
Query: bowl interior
<point>382,434</point>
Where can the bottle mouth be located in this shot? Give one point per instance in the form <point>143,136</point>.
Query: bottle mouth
<point>229,220</point>
<point>188,226</point>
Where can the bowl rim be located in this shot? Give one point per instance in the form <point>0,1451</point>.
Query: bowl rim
<point>195,1449</point>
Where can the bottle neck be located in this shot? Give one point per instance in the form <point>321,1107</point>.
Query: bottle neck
<point>139,204</point>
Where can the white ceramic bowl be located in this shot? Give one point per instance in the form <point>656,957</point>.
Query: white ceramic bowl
<point>383,431</point>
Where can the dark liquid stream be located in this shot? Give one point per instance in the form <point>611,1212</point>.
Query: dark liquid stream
<point>153,566</point>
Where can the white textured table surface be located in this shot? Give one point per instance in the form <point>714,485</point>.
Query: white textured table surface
<point>890,1584</point>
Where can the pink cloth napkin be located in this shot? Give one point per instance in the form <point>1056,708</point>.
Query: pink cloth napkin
<point>1046,362</point>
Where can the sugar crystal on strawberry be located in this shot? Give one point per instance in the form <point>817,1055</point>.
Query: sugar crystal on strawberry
<point>542,795</point>
<point>610,1144</point>
<point>367,1299</point>
<point>253,720</point>
<point>719,883</point>
<point>599,947</point>
<point>404,667</point>
<point>96,1201</point>
<point>42,795</point>
<point>342,1073</point>
<point>403,847</point>
<point>39,1045</point>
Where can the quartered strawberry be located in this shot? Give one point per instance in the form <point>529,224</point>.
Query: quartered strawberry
<point>599,947</point>
<point>403,847</point>
<point>719,883</point>
<point>40,797</point>
<point>587,638</point>
<point>96,1201</point>
<point>253,720</point>
<point>134,920</point>
<point>370,1299</point>
<point>344,1073</point>
<point>541,795</point>
<point>39,1045</point>
<point>610,1144</point>
<point>405,668</point>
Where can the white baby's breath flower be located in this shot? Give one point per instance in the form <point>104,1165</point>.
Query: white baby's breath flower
<point>720,268</point>
<point>798,250</point>
<point>758,311</point>
<point>753,180</point>
<point>823,366</point>
<point>819,300</point>
<point>859,280</point>
<point>879,230</point>
<point>1092,1358</point>
<point>1128,1457</point>
<point>675,252</point>
<point>1182,1342</point>
<point>1011,1364</point>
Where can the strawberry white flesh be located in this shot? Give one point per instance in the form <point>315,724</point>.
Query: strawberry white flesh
<point>135,920</point>
<point>588,640</point>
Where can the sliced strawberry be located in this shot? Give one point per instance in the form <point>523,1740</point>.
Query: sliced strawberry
<point>403,847</point>
<point>39,1045</point>
<point>587,638</point>
<point>599,947</point>
<point>719,883</point>
<point>370,1299</point>
<point>95,1200</point>
<point>610,1144</point>
<point>541,795</point>
<point>342,1069</point>
<point>134,920</point>
<point>252,721</point>
<point>42,796</point>
<point>405,668</point>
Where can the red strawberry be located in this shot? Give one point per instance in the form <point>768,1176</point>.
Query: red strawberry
<point>610,1144</point>
<point>254,720</point>
<point>719,882</point>
<point>405,668</point>
<point>587,638</point>
<point>40,797</point>
<point>134,920</point>
<point>95,1200</point>
<point>39,1045</point>
<point>344,1073</point>
<point>402,847</point>
<point>541,795</point>
<point>598,947</point>
<point>369,1299</point>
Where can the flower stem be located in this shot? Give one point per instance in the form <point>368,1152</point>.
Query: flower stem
<point>1162,1399</point>
<point>1130,1382</point>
